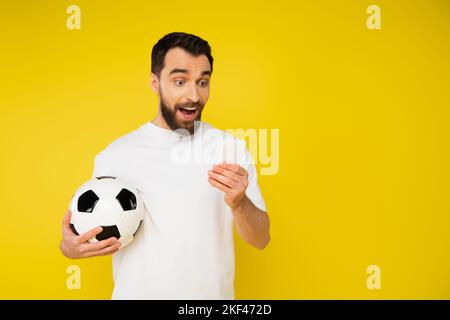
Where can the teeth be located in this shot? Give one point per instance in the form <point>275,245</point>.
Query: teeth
<point>190,109</point>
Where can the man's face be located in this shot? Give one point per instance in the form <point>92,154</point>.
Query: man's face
<point>183,88</point>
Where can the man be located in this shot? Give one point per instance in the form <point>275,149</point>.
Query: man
<point>185,248</point>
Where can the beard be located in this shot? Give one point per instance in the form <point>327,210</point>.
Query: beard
<point>170,115</point>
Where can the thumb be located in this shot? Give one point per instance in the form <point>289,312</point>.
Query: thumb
<point>66,222</point>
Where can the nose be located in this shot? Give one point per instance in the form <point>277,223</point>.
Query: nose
<point>193,95</point>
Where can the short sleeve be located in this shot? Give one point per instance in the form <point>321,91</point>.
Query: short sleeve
<point>253,191</point>
<point>103,167</point>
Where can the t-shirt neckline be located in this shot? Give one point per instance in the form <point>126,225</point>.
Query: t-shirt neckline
<point>171,134</point>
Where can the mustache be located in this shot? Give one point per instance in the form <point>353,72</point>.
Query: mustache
<point>190,105</point>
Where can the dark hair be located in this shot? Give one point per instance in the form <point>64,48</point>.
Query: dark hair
<point>189,42</point>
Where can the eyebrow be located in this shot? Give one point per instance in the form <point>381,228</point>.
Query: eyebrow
<point>180,70</point>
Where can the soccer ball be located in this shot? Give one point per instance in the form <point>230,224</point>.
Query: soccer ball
<point>108,202</point>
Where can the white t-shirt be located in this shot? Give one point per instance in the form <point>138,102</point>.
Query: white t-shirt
<point>185,247</point>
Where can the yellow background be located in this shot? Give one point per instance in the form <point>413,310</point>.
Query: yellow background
<point>364,135</point>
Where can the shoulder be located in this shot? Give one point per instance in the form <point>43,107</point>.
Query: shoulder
<point>126,141</point>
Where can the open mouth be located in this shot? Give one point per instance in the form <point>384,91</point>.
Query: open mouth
<point>188,113</point>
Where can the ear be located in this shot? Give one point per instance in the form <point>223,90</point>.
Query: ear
<point>154,83</point>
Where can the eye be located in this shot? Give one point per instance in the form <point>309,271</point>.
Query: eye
<point>179,82</point>
<point>204,83</point>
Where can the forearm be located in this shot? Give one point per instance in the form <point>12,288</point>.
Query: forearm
<point>252,224</point>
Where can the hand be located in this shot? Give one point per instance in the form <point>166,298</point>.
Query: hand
<point>231,179</point>
<point>75,247</point>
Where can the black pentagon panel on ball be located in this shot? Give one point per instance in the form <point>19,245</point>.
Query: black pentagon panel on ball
<point>87,201</point>
<point>73,229</point>
<point>127,200</point>
<point>108,232</point>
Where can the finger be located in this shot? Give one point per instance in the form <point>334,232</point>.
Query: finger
<point>88,235</point>
<point>223,179</point>
<point>226,172</point>
<point>235,168</point>
<point>95,246</point>
<point>66,223</point>
<point>108,250</point>
<point>218,185</point>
